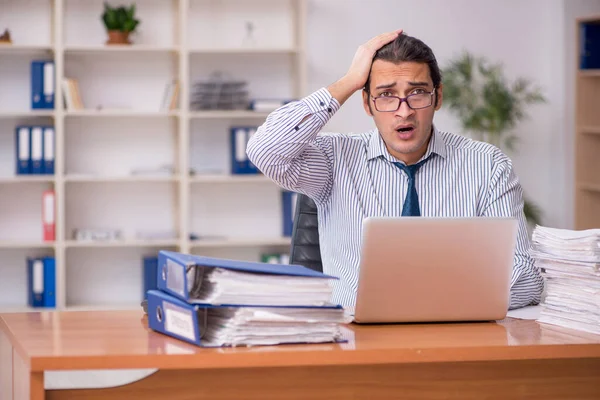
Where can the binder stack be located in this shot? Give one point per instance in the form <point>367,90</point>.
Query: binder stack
<point>212,302</point>
<point>570,261</point>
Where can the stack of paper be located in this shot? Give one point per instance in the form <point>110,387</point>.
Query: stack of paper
<point>223,286</point>
<point>571,264</point>
<point>268,326</point>
<point>213,302</point>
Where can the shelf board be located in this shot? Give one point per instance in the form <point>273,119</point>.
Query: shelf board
<point>103,49</point>
<point>245,50</point>
<point>26,113</point>
<point>224,114</point>
<point>120,113</point>
<point>118,179</point>
<point>590,130</point>
<point>241,242</point>
<point>121,243</point>
<point>590,187</point>
<point>24,48</point>
<point>259,178</point>
<point>590,73</point>
<point>24,244</point>
<point>27,179</point>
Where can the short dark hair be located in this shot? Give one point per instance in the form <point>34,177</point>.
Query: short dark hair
<point>408,48</point>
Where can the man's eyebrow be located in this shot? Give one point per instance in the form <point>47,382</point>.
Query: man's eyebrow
<point>386,86</point>
<point>418,83</point>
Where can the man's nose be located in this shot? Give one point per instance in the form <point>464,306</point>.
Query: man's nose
<point>404,111</point>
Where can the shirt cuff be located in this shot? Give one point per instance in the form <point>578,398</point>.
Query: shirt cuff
<point>322,103</point>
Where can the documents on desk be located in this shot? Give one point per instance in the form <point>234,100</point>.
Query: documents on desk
<point>571,263</point>
<point>213,302</point>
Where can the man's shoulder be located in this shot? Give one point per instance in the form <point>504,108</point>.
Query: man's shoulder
<point>462,146</point>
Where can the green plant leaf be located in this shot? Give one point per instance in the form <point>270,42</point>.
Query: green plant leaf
<point>120,18</point>
<point>532,212</point>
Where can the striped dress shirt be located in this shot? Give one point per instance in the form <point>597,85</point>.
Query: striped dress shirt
<point>352,176</point>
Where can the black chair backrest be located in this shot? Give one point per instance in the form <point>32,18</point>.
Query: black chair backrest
<point>305,248</point>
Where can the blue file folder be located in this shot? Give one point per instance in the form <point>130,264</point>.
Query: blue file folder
<point>150,265</point>
<point>48,150</point>
<point>176,318</point>
<point>42,84</point>
<point>37,150</point>
<point>172,273</point>
<point>23,150</point>
<point>288,206</point>
<point>589,48</point>
<point>41,281</point>
<point>240,164</point>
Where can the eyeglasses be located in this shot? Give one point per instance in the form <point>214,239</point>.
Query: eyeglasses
<point>414,101</point>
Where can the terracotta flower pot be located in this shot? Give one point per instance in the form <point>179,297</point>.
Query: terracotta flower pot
<point>118,37</point>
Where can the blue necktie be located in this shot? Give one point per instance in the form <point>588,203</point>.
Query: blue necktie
<point>411,203</point>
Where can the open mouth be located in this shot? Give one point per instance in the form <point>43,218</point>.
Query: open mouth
<point>405,132</point>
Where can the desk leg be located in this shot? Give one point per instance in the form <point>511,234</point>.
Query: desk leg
<point>6,380</point>
<point>543,379</point>
<point>26,384</point>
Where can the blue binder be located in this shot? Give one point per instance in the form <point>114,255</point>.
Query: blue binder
<point>150,265</point>
<point>37,150</point>
<point>49,150</point>
<point>42,84</point>
<point>240,164</point>
<point>288,205</point>
<point>41,281</point>
<point>589,48</point>
<point>23,150</point>
<point>172,273</point>
<point>176,318</point>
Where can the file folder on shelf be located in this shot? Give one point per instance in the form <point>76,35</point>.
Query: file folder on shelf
<point>37,150</point>
<point>288,207</point>
<point>42,84</point>
<point>206,280</point>
<point>23,150</point>
<point>48,146</point>
<point>41,280</point>
<point>229,326</point>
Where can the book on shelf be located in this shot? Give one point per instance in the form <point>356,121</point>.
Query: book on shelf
<point>170,100</point>
<point>215,302</point>
<point>72,94</point>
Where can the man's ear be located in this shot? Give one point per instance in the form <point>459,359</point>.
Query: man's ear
<point>367,103</point>
<point>439,96</point>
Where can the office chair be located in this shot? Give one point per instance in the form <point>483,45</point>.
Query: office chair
<point>305,249</point>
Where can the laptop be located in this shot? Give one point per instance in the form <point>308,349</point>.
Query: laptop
<point>418,269</point>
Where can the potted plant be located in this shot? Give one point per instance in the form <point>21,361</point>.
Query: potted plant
<point>120,22</point>
<point>488,106</point>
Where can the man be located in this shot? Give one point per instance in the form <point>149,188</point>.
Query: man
<point>405,166</point>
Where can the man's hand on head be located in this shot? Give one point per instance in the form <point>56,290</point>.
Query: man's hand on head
<point>359,70</point>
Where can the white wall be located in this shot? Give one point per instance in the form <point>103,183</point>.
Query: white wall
<point>532,39</point>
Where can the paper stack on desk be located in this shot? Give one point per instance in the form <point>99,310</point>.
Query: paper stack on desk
<point>571,264</point>
<point>213,302</point>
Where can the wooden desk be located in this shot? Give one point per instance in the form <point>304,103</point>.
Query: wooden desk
<point>509,359</point>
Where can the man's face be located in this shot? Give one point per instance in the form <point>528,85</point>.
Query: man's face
<point>406,132</point>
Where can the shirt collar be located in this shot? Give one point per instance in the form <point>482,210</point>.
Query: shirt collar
<point>377,146</point>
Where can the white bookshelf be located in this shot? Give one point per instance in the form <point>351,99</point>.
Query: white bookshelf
<point>122,129</point>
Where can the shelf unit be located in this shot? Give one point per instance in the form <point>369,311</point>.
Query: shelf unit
<point>587,139</point>
<point>178,39</point>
